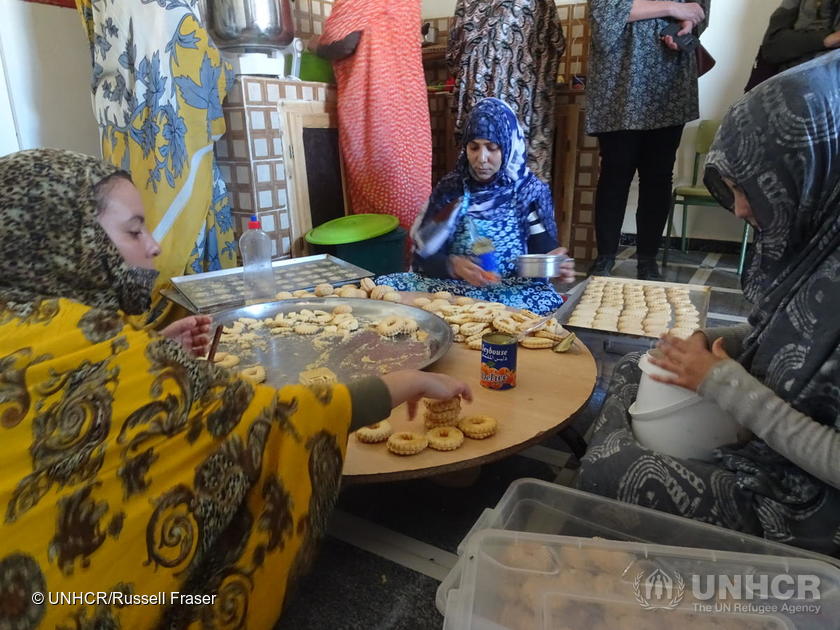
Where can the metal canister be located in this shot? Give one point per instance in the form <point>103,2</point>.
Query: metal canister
<point>498,361</point>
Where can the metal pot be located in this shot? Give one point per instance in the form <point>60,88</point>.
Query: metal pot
<point>250,24</point>
<point>540,265</point>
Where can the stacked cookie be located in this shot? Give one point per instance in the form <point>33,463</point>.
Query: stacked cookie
<point>442,413</point>
<point>635,308</point>
<point>445,430</point>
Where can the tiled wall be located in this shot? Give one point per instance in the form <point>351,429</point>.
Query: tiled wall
<point>586,170</point>
<point>310,16</point>
<point>250,154</point>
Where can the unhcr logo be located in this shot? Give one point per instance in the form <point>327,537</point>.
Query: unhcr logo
<point>658,589</point>
<point>755,594</point>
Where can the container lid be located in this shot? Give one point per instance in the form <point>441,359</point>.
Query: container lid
<point>544,582</point>
<point>536,506</point>
<point>352,228</point>
<point>254,223</point>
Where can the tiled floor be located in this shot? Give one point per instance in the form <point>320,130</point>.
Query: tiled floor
<point>389,545</point>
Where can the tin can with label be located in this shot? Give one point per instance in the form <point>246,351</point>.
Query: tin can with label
<point>498,361</point>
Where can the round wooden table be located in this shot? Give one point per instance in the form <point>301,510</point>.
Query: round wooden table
<point>550,389</point>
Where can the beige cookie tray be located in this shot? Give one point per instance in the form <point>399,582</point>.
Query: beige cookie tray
<point>699,296</point>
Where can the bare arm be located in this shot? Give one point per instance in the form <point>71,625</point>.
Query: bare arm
<point>650,9</point>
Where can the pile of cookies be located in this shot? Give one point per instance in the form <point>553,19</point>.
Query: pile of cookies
<point>254,374</point>
<point>340,322</point>
<point>470,320</point>
<point>367,288</point>
<point>445,430</point>
<point>635,308</point>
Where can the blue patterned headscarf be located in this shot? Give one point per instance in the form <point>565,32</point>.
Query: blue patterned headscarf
<point>514,185</point>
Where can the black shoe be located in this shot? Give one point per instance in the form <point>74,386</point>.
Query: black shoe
<point>602,266</point>
<point>647,269</point>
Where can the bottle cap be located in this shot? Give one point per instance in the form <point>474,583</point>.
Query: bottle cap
<point>254,223</point>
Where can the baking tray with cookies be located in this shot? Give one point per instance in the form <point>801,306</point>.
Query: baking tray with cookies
<point>642,309</point>
<point>217,290</point>
<point>328,339</point>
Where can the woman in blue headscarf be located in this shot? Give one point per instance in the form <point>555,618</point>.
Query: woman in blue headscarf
<point>490,201</point>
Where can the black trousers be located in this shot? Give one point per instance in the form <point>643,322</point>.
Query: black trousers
<point>652,153</point>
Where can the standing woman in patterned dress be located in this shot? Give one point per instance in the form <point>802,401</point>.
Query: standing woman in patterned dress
<point>383,110</point>
<point>641,91</point>
<point>509,49</point>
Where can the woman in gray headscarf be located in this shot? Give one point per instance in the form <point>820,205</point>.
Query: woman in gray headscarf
<point>775,164</point>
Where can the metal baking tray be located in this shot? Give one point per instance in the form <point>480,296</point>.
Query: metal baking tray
<point>365,353</point>
<point>217,290</point>
<point>697,293</point>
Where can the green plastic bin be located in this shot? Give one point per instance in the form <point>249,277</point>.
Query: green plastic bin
<point>371,241</point>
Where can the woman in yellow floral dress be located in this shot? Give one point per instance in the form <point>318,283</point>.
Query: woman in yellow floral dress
<point>133,473</point>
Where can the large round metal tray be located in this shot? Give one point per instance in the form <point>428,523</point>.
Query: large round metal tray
<point>364,353</point>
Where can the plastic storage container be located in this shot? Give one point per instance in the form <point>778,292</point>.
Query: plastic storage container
<point>531,505</point>
<point>371,241</point>
<point>258,275</point>
<point>527,581</point>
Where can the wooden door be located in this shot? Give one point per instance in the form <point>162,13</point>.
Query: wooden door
<point>314,168</point>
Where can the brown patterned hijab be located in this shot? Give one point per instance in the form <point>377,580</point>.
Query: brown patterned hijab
<point>51,243</point>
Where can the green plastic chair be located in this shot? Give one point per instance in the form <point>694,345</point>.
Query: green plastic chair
<point>697,195</point>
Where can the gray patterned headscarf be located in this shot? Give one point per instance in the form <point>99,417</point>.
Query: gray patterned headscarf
<point>51,243</point>
<point>781,145</point>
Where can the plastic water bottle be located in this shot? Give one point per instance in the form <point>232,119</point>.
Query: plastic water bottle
<point>258,276</point>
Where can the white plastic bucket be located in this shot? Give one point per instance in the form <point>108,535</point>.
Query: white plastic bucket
<point>689,429</point>
<point>653,395</point>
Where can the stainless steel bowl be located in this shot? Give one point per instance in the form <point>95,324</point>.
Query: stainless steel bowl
<point>540,265</point>
<point>250,24</point>
<point>285,357</point>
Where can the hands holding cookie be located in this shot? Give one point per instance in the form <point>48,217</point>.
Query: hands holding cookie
<point>411,385</point>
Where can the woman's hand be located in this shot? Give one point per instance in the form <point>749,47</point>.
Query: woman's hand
<point>567,268</point>
<point>832,40</point>
<point>687,12</point>
<point>313,43</point>
<point>686,26</point>
<point>689,360</point>
<point>192,332</point>
<point>410,386</point>
<point>465,269</point>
